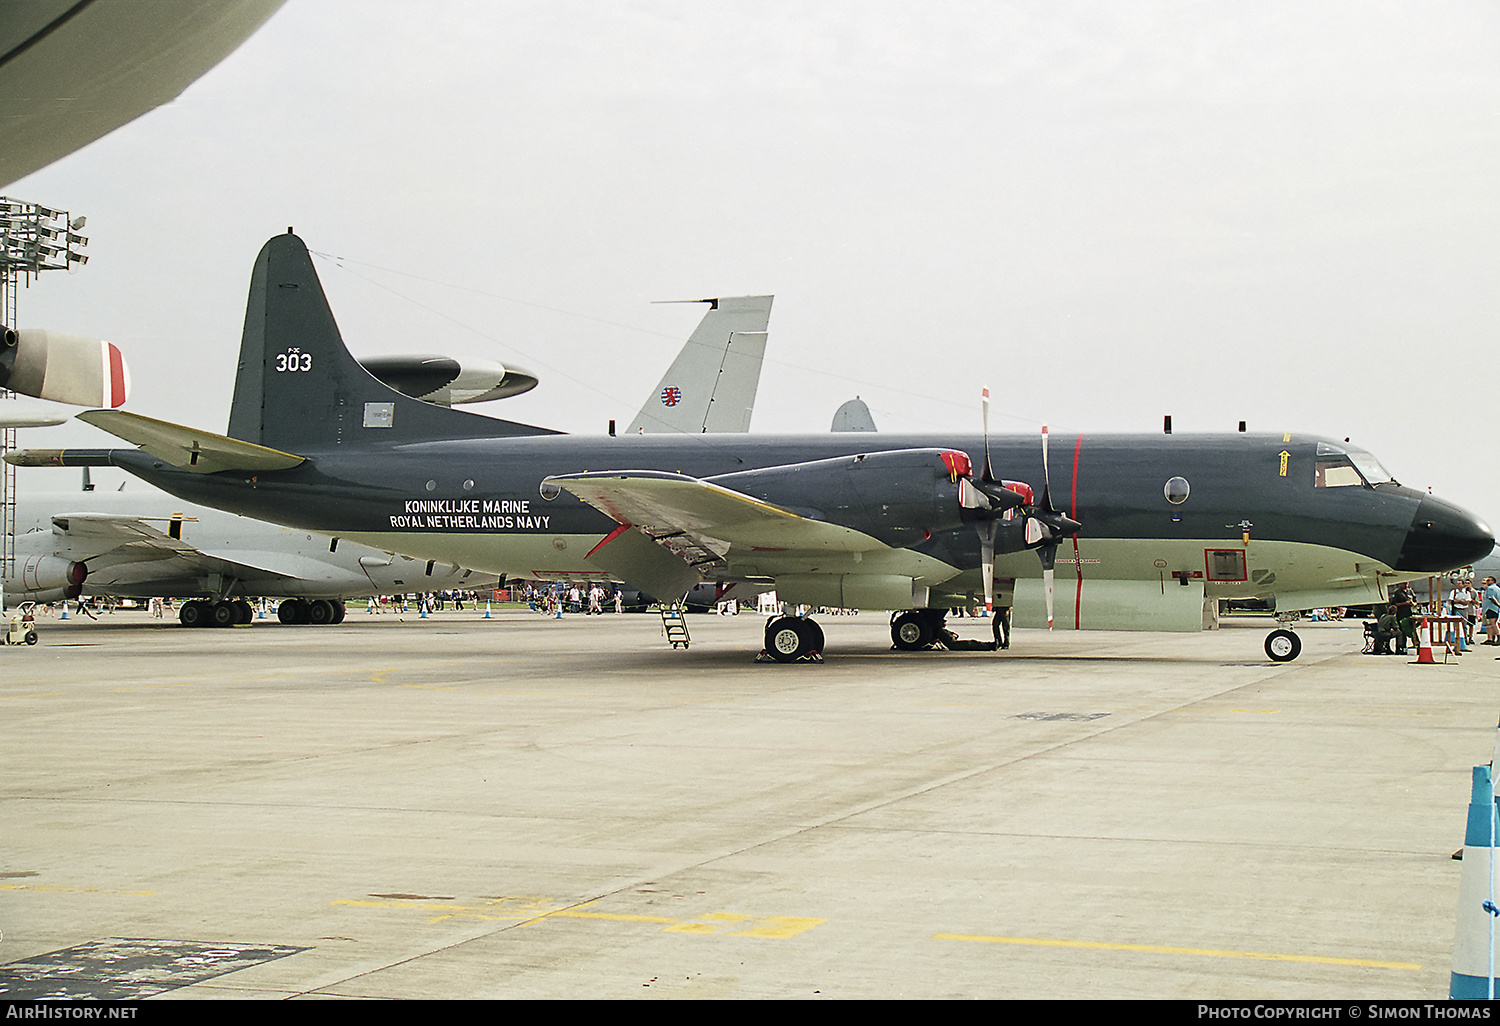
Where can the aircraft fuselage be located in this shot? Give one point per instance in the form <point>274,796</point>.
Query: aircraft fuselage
<point>477,503</point>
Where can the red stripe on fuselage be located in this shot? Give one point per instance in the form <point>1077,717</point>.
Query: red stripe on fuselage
<point>1077,559</point>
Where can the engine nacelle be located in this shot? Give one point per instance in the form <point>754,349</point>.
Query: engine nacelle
<point>63,368</point>
<point>44,578</point>
<point>901,497</point>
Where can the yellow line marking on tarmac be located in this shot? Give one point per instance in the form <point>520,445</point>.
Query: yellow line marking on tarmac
<point>528,914</point>
<point>35,694</point>
<point>74,890</point>
<point>540,694</point>
<point>567,913</point>
<point>1264,956</point>
<point>156,687</point>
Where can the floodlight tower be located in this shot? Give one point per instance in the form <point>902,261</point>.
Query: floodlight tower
<point>33,239</point>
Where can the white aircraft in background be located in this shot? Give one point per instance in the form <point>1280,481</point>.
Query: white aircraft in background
<point>144,543</point>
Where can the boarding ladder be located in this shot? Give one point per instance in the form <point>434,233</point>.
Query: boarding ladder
<point>674,624</point>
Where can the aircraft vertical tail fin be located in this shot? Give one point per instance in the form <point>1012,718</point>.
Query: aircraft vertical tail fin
<point>299,389</point>
<point>854,415</point>
<point>711,385</point>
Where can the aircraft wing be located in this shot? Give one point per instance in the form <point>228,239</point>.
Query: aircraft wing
<point>85,536</point>
<point>676,530</point>
<point>115,539</point>
<point>202,452</point>
<point>714,518</point>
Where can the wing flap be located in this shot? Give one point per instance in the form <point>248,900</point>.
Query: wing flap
<point>715,518</point>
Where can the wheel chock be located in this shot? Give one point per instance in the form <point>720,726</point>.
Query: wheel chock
<point>809,657</point>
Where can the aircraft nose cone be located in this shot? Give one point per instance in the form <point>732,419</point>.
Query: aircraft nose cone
<point>1442,537</point>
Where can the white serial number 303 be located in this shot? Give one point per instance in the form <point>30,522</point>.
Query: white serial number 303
<point>293,360</point>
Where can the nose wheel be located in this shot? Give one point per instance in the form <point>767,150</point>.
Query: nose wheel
<point>1283,646</point>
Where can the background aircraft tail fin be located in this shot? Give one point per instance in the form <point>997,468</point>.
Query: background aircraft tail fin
<point>299,389</point>
<point>853,416</point>
<point>711,385</point>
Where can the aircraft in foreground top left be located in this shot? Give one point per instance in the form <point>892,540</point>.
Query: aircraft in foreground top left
<point>72,71</point>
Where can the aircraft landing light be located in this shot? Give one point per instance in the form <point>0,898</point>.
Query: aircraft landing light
<point>1264,956</point>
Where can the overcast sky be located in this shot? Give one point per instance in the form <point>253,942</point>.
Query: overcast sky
<point>1279,212</point>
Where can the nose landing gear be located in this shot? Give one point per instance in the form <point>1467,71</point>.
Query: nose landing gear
<point>1283,646</point>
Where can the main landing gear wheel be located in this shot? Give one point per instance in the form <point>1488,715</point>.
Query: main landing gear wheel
<point>1283,646</point>
<point>194,613</point>
<point>318,612</point>
<point>789,638</point>
<point>915,629</point>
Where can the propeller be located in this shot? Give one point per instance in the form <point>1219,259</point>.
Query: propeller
<point>992,499</point>
<point>1052,527</point>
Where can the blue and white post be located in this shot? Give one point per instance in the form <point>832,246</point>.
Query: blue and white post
<point>1474,943</point>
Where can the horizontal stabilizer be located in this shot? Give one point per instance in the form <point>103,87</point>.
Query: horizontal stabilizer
<point>202,452</point>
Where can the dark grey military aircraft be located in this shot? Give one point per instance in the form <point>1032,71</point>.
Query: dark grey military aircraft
<point>1153,528</point>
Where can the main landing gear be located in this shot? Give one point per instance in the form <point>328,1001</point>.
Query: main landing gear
<point>917,629</point>
<point>791,639</point>
<point>225,613</point>
<point>233,612</point>
<point>318,612</point>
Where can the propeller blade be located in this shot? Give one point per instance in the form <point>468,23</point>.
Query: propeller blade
<point>984,405</point>
<point>1048,553</point>
<point>987,562</point>
<point>1046,468</point>
<point>1048,575</point>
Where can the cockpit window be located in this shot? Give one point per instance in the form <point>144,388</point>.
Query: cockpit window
<point>1337,472</point>
<point>1337,467</point>
<point>1369,467</point>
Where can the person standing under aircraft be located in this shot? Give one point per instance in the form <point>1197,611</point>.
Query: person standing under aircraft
<point>1491,612</point>
<point>1461,603</point>
<point>1404,603</point>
